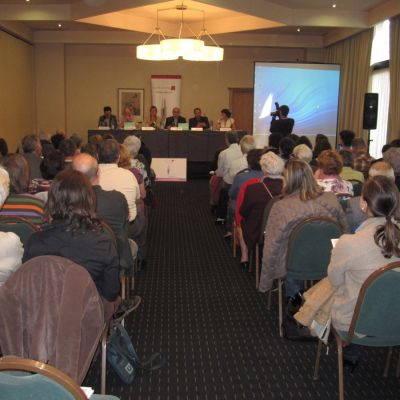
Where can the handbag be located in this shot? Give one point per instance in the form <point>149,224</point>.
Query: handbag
<point>123,357</point>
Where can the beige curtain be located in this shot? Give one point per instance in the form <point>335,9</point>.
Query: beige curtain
<point>353,55</point>
<point>394,102</point>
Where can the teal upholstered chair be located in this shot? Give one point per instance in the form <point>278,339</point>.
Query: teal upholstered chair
<point>309,252</point>
<point>20,226</point>
<point>376,317</point>
<point>46,382</point>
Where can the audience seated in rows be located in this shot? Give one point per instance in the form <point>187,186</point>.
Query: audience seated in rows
<point>256,196</point>
<point>111,207</point>
<point>75,232</point>
<point>11,249</point>
<point>348,172</point>
<point>361,158</point>
<point>392,156</point>
<point>137,230</point>
<point>375,243</point>
<point>32,151</point>
<point>330,166</point>
<point>303,198</point>
<point>225,160</point>
<point>355,216</point>
<point>20,203</point>
<point>303,152</point>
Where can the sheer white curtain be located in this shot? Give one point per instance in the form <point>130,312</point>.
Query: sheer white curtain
<point>380,83</point>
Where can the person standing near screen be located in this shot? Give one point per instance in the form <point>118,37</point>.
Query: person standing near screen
<point>280,122</point>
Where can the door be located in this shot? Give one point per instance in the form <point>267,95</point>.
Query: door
<point>241,104</point>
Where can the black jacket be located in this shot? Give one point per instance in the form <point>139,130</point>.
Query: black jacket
<point>94,251</point>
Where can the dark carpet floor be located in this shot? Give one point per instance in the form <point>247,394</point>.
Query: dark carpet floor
<point>204,314</point>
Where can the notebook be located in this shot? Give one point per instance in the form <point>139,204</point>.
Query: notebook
<point>184,126</point>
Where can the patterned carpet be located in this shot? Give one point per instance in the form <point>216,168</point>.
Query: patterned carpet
<point>204,314</point>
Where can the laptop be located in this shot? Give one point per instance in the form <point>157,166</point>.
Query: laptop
<point>184,126</point>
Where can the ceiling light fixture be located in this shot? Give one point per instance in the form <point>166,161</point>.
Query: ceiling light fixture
<point>190,49</point>
<point>59,25</point>
<point>298,29</point>
<point>333,5</point>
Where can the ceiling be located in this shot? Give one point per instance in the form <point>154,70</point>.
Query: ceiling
<point>240,22</point>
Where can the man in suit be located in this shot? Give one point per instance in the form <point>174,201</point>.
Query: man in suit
<point>108,119</point>
<point>175,119</point>
<point>198,121</point>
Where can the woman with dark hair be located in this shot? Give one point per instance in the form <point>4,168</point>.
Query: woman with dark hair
<point>226,120</point>
<point>286,146</point>
<point>355,257</point>
<point>305,140</point>
<point>20,203</point>
<point>303,198</point>
<point>375,243</point>
<point>75,232</point>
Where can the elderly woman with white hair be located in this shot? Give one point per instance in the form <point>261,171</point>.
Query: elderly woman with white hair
<point>11,249</point>
<point>133,144</point>
<point>303,152</point>
<point>257,196</point>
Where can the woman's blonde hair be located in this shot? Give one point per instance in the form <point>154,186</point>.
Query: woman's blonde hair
<point>124,157</point>
<point>299,179</point>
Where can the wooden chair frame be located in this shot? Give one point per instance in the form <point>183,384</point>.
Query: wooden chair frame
<point>23,364</point>
<point>340,343</point>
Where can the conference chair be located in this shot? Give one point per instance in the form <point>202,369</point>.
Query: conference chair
<point>38,381</point>
<point>308,253</point>
<point>20,226</point>
<point>376,317</point>
<point>50,311</point>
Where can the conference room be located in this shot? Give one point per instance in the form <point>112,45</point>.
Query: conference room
<point>104,71</point>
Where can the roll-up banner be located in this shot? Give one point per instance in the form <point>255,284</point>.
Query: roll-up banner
<point>166,93</point>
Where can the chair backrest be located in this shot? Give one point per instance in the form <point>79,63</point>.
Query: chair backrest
<point>20,226</point>
<point>50,311</point>
<point>309,248</point>
<point>47,383</point>
<point>377,311</point>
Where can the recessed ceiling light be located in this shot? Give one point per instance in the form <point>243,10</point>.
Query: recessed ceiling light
<point>59,25</point>
<point>333,5</point>
<point>27,1</point>
<point>298,29</point>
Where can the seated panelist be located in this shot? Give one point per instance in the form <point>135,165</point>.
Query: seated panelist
<point>128,116</point>
<point>153,120</point>
<point>226,120</point>
<point>107,119</point>
<point>198,121</point>
<point>175,119</point>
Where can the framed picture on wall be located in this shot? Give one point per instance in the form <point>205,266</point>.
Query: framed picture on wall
<point>131,102</point>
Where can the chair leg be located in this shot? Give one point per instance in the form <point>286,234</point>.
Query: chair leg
<point>317,361</point>
<point>280,300</point>
<point>340,366</point>
<point>269,300</point>
<point>234,240</point>
<point>103,359</point>
<point>387,364</point>
<point>257,265</point>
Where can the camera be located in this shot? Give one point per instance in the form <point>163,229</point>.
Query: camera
<point>275,114</point>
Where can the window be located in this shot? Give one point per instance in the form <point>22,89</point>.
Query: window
<point>380,83</point>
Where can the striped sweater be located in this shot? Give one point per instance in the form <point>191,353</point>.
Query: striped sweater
<point>24,206</point>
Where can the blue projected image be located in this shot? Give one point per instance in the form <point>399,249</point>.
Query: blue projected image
<point>311,91</point>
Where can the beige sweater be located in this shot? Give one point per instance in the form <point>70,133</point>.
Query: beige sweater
<point>353,259</point>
